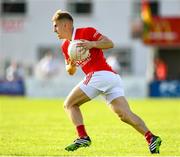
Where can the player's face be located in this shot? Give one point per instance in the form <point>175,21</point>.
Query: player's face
<point>59,28</point>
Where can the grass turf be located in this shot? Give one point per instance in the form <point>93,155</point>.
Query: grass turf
<point>40,127</point>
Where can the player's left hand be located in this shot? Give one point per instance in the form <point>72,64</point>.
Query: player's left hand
<point>86,44</point>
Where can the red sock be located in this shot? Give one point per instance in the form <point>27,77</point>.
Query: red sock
<point>81,131</point>
<point>148,136</point>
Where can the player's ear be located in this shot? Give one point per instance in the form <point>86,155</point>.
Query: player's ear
<point>64,25</point>
<point>67,24</point>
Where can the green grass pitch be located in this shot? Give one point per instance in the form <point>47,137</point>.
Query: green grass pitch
<point>40,127</point>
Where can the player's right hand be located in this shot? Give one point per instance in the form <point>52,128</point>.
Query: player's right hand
<point>71,67</point>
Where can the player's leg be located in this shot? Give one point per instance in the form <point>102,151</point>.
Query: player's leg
<point>71,105</point>
<point>121,107</point>
<point>79,95</point>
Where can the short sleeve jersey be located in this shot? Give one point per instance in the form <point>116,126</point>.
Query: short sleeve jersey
<point>96,61</point>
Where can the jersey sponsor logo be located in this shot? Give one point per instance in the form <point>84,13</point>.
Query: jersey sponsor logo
<point>83,62</point>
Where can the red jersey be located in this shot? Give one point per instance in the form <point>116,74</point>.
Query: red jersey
<point>96,61</point>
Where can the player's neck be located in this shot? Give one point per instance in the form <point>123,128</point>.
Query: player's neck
<point>72,33</point>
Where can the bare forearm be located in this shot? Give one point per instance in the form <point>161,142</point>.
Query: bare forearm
<point>105,43</point>
<point>102,43</point>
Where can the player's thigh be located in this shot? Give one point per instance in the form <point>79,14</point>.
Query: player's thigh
<point>76,97</point>
<point>120,106</point>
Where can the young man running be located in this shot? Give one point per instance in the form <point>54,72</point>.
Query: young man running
<point>100,79</point>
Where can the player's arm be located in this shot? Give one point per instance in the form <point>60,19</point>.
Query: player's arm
<point>102,43</point>
<point>70,67</point>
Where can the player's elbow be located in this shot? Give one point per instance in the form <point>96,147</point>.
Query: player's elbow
<point>111,44</point>
<point>108,42</point>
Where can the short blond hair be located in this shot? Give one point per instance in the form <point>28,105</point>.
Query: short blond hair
<point>59,15</point>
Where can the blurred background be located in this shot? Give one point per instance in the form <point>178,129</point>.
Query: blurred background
<point>146,34</point>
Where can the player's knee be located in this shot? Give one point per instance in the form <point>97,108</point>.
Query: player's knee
<point>67,105</point>
<point>121,114</point>
<point>127,117</point>
<point>124,117</point>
